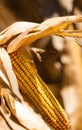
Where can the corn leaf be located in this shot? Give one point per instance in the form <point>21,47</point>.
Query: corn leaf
<point>26,33</point>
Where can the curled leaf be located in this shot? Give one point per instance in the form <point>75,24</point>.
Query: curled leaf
<point>51,26</point>
<point>14,30</point>
<point>10,74</point>
<point>23,112</point>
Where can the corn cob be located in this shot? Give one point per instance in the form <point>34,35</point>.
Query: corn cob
<point>37,92</point>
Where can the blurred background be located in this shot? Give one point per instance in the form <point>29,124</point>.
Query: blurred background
<point>61,65</point>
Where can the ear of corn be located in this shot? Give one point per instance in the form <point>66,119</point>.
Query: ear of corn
<point>37,92</point>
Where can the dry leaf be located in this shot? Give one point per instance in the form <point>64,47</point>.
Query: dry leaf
<point>2,76</point>
<point>15,29</point>
<point>7,124</point>
<point>23,112</point>
<point>37,52</point>
<point>34,31</point>
<point>10,74</point>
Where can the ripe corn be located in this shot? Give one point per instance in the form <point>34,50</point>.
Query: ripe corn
<point>37,92</point>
